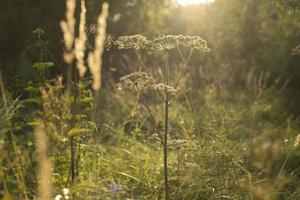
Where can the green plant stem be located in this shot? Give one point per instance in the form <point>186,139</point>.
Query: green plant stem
<point>72,158</point>
<point>70,90</point>
<point>166,128</point>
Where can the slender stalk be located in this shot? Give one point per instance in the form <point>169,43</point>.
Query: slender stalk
<point>44,164</point>
<point>156,129</point>
<point>72,158</point>
<point>185,63</point>
<point>166,128</point>
<point>138,54</point>
<point>178,171</point>
<point>3,96</point>
<point>70,89</point>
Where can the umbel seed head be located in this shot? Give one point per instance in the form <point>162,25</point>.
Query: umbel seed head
<point>161,43</point>
<point>137,79</point>
<point>132,42</point>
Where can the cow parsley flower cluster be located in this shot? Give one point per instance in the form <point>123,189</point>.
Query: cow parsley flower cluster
<point>164,42</point>
<point>137,79</point>
<point>132,42</point>
<point>193,41</point>
<point>141,80</point>
<point>163,88</point>
<point>161,43</point>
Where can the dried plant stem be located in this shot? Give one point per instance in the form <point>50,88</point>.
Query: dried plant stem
<point>178,171</point>
<point>68,29</point>
<point>138,54</point>
<point>80,42</point>
<point>185,63</point>
<point>156,129</point>
<point>45,165</point>
<point>166,127</point>
<point>3,95</point>
<point>95,58</point>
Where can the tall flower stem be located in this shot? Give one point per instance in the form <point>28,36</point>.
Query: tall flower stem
<point>70,90</point>
<point>166,127</point>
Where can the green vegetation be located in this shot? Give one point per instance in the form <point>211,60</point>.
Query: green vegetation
<point>150,100</point>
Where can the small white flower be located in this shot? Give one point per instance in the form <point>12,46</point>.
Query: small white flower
<point>116,17</point>
<point>58,197</point>
<point>66,191</point>
<point>297,141</point>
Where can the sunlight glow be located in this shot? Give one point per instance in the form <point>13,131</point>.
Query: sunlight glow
<point>189,2</point>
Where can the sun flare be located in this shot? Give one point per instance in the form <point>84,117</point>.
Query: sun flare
<point>189,2</point>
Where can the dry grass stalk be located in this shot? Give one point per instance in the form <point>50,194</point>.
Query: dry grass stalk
<point>68,29</point>
<point>95,58</point>
<point>80,42</point>
<point>45,165</point>
<point>3,95</point>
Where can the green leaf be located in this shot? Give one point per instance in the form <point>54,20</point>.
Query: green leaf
<point>78,131</point>
<point>92,124</point>
<point>80,117</point>
<point>127,175</point>
<point>42,66</point>
<point>32,89</point>
<point>35,123</point>
<point>87,100</point>
<point>36,100</point>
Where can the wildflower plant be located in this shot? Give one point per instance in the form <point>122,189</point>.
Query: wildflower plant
<point>142,80</point>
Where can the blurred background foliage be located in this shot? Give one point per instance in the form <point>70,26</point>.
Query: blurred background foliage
<point>245,36</point>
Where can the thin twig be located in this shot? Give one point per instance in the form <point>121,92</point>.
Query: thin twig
<point>152,116</point>
<point>138,54</point>
<point>185,63</point>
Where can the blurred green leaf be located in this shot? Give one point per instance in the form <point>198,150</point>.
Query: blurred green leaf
<point>42,66</point>
<point>78,131</point>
